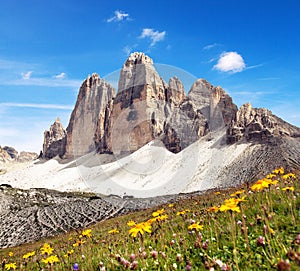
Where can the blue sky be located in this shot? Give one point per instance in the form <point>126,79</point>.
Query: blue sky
<point>47,48</point>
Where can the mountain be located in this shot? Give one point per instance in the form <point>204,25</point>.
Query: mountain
<point>10,154</point>
<point>152,138</point>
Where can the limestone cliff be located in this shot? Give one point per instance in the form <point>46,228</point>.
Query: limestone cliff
<point>89,116</point>
<point>54,140</point>
<point>258,124</point>
<point>214,103</point>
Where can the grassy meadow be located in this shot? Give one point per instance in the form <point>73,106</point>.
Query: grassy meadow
<point>248,228</point>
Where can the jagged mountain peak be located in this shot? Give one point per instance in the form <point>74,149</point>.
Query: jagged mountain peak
<point>138,70</point>
<point>138,58</point>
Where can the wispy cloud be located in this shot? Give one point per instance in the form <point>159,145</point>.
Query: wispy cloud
<point>209,46</point>
<point>230,62</point>
<point>268,78</point>
<point>254,66</point>
<point>60,76</point>
<point>118,17</point>
<point>128,49</point>
<point>40,106</point>
<point>26,75</point>
<point>43,82</point>
<point>154,36</point>
<point>16,65</point>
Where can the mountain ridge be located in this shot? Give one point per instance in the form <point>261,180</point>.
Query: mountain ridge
<point>146,108</point>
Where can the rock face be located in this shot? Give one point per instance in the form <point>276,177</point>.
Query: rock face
<point>10,154</point>
<point>54,140</point>
<point>137,115</point>
<point>214,103</point>
<point>258,124</point>
<point>25,156</point>
<point>13,153</point>
<point>88,120</point>
<point>4,156</point>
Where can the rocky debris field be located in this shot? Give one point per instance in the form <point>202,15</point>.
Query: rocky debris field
<point>29,215</point>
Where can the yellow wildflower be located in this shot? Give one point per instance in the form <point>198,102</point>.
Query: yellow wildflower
<point>69,253</point>
<point>113,231</point>
<point>271,231</point>
<point>87,233</point>
<point>157,218</point>
<point>171,205</point>
<point>78,243</point>
<point>217,193</point>
<point>213,209</point>
<point>140,228</point>
<point>51,260</point>
<point>195,226</point>
<point>271,176</point>
<point>10,266</point>
<point>231,205</point>
<point>131,223</point>
<point>262,184</point>
<point>239,192</point>
<point>289,176</point>
<point>10,254</point>
<point>289,188</point>
<point>278,171</point>
<point>46,249</point>
<point>158,212</point>
<point>238,200</point>
<point>28,255</point>
<point>180,213</point>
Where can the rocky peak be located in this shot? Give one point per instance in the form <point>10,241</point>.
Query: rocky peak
<point>175,93</point>
<point>4,157</point>
<point>13,153</point>
<point>54,140</point>
<point>89,115</point>
<point>138,58</point>
<point>214,103</point>
<point>137,72</point>
<point>258,124</point>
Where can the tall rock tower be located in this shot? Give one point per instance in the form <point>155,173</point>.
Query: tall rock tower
<point>88,116</point>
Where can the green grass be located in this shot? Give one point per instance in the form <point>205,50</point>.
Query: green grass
<point>264,235</point>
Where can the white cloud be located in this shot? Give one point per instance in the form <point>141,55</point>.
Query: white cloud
<point>230,62</point>
<point>60,76</point>
<point>40,106</point>
<point>155,36</point>
<point>118,17</point>
<point>26,75</point>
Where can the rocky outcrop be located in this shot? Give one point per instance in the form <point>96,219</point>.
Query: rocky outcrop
<point>54,140</point>
<point>30,215</point>
<point>88,120</point>
<point>4,156</point>
<point>26,156</point>
<point>13,153</point>
<point>258,124</point>
<point>214,103</point>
